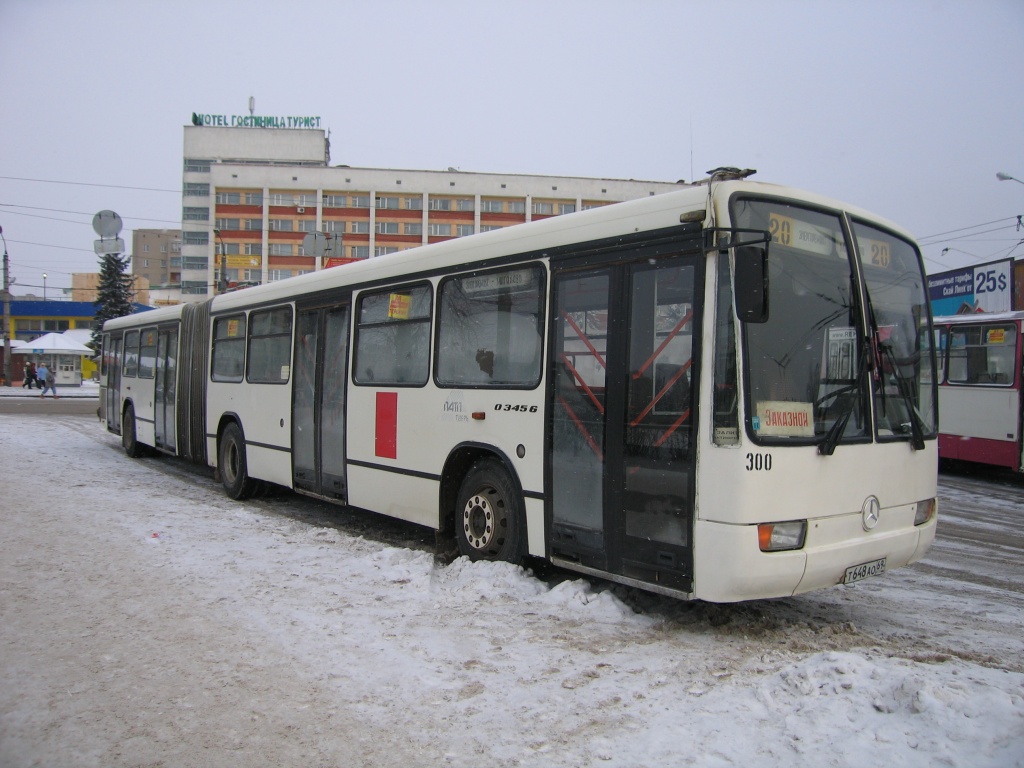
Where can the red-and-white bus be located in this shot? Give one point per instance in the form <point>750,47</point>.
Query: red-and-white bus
<point>980,385</point>
<point>715,393</point>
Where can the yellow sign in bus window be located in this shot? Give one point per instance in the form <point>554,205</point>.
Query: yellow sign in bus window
<point>875,252</point>
<point>995,336</point>
<point>398,307</point>
<point>794,233</point>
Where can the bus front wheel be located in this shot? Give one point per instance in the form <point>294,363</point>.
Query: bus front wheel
<point>234,473</point>
<point>129,440</point>
<point>489,514</point>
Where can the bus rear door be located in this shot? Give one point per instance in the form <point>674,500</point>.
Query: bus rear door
<point>318,423</point>
<point>165,390</point>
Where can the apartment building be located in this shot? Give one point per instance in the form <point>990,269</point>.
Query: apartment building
<point>156,256</point>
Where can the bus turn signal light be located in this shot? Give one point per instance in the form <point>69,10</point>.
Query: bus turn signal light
<point>925,511</point>
<point>778,537</point>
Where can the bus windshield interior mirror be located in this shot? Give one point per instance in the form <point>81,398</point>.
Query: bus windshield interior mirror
<point>751,283</point>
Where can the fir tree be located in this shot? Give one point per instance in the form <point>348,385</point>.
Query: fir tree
<point>114,297</point>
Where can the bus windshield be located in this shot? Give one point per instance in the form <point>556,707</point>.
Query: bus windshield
<point>903,383</point>
<point>812,368</point>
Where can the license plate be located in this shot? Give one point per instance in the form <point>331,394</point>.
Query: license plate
<point>864,570</point>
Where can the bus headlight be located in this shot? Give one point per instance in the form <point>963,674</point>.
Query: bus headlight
<point>777,537</point>
<point>925,511</point>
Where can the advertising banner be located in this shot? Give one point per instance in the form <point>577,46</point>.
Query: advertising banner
<point>983,288</point>
<point>243,262</point>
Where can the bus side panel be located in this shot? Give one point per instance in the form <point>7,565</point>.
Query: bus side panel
<point>536,535</point>
<point>264,414</point>
<point>407,497</point>
<point>139,392</point>
<point>415,430</point>
<point>980,424</point>
<point>145,428</point>
<point>270,464</point>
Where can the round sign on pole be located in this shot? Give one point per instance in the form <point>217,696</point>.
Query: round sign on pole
<point>314,244</point>
<point>106,224</point>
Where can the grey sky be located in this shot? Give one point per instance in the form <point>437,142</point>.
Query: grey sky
<point>905,108</point>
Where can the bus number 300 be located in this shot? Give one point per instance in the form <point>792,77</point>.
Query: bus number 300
<point>757,462</point>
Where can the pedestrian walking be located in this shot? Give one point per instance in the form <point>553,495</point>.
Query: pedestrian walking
<point>30,376</point>
<point>48,379</point>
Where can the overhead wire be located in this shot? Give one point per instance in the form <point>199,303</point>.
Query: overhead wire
<point>91,184</point>
<point>964,229</point>
<point>78,213</point>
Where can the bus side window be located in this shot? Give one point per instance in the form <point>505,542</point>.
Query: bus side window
<point>131,354</point>
<point>982,355</point>
<point>489,330</point>
<point>147,353</point>
<point>393,337</point>
<point>228,348</point>
<point>995,371</point>
<point>977,365</point>
<point>1001,346</point>
<point>959,341</point>
<point>270,346</point>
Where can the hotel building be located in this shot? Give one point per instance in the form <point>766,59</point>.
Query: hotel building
<point>251,195</point>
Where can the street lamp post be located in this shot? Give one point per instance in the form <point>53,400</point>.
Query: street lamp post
<point>7,315</point>
<point>1007,177</point>
<point>44,286</point>
<point>222,280</point>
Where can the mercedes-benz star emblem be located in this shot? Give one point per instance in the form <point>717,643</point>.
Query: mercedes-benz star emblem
<point>870,513</point>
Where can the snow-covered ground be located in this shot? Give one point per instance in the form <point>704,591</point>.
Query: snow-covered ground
<point>146,619</point>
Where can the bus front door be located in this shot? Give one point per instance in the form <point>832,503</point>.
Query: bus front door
<point>623,450</point>
<point>318,423</point>
<point>113,390</point>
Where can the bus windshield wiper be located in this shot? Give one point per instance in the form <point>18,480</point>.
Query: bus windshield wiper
<point>903,386</point>
<point>828,444</point>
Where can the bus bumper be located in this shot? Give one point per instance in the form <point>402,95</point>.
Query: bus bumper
<point>729,565</point>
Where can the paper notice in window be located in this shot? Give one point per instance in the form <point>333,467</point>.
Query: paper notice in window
<point>784,419</point>
<point>398,307</point>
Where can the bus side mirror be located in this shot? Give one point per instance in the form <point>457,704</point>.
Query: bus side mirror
<point>751,283</point>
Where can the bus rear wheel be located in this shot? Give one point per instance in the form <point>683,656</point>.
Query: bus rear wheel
<point>231,463</point>
<point>489,514</point>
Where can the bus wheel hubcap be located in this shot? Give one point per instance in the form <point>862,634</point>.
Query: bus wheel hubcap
<point>478,521</point>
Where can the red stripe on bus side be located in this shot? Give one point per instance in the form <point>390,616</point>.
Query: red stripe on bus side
<point>386,439</point>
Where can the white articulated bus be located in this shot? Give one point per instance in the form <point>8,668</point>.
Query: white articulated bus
<point>717,393</point>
